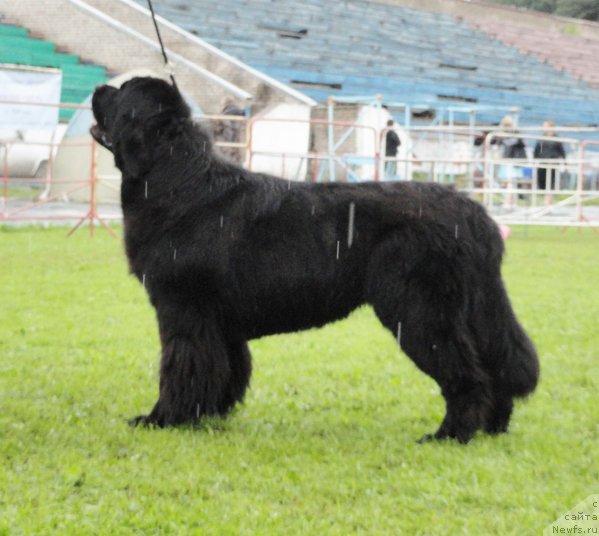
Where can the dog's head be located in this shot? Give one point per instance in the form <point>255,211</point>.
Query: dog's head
<point>131,119</point>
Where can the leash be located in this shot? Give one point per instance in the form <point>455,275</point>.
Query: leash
<point>167,64</point>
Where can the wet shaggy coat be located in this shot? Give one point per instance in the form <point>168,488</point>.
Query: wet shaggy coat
<point>227,255</point>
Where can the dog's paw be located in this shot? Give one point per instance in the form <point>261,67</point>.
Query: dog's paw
<point>498,423</point>
<point>144,421</point>
<point>426,438</point>
<point>443,435</point>
<point>496,428</point>
<point>464,436</point>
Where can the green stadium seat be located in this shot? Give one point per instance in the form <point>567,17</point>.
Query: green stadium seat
<point>78,79</point>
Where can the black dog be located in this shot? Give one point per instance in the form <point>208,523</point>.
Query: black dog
<point>227,255</point>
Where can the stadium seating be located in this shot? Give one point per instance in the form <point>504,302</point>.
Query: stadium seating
<point>78,79</point>
<point>576,55</point>
<point>364,48</point>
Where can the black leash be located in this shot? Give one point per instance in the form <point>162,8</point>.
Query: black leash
<point>166,62</point>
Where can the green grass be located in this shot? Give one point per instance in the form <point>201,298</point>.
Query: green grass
<point>325,443</point>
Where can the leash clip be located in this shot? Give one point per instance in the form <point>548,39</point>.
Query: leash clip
<point>169,69</point>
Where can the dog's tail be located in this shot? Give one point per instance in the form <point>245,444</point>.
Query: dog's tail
<point>508,352</point>
<point>512,353</point>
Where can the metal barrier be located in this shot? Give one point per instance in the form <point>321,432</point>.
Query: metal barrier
<point>323,162</point>
<point>16,207</point>
<point>440,167</point>
<point>508,187</point>
<point>499,183</point>
<point>30,198</point>
<point>513,196</point>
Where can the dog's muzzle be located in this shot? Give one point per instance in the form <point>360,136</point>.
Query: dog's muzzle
<point>100,136</point>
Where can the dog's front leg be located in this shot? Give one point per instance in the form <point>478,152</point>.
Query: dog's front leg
<point>195,367</point>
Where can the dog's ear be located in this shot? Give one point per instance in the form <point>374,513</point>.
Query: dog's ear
<point>131,149</point>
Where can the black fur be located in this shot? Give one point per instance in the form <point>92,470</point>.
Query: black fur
<point>227,255</point>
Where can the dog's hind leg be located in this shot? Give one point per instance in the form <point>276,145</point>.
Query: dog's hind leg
<point>427,320</point>
<point>195,367</point>
<point>448,357</point>
<point>498,419</point>
<point>467,401</point>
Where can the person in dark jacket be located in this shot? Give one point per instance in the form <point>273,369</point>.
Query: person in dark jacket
<point>512,148</point>
<point>548,150</point>
<point>392,144</point>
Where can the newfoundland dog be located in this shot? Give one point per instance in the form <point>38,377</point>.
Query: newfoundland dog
<point>227,255</point>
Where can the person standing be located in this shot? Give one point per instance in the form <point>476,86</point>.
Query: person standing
<point>512,148</point>
<point>392,144</point>
<point>548,150</point>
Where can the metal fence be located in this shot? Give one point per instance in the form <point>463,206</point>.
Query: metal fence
<point>79,183</point>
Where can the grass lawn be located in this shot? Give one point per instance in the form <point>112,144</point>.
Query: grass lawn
<point>325,443</point>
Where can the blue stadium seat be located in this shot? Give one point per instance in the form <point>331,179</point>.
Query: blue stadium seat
<point>369,47</point>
